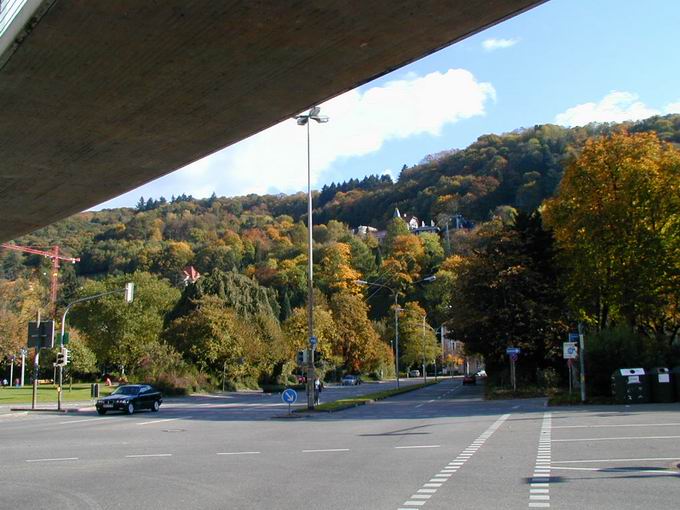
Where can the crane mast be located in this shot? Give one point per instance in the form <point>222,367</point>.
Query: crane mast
<point>55,257</point>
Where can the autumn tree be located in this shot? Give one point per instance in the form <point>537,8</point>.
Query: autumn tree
<point>120,333</point>
<point>417,341</point>
<point>358,344</point>
<point>617,218</point>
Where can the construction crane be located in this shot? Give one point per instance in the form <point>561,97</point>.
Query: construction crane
<point>55,257</point>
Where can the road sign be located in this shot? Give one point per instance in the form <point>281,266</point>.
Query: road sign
<point>289,396</point>
<point>569,350</point>
<point>513,356</point>
<point>313,341</point>
<point>573,337</point>
<point>513,350</point>
<point>41,334</point>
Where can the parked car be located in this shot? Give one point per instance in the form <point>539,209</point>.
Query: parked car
<point>414,373</point>
<point>301,379</point>
<point>350,380</point>
<point>130,398</point>
<point>481,373</point>
<point>469,379</point>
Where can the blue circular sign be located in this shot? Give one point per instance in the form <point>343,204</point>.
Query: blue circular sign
<point>289,396</point>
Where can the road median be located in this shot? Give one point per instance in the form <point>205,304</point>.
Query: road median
<point>360,400</point>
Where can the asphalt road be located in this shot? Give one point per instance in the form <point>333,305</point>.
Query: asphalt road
<point>437,448</point>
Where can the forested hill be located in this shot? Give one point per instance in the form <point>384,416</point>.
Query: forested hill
<point>517,169</point>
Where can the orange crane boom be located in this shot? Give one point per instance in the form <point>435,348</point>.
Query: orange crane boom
<point>55,257</point>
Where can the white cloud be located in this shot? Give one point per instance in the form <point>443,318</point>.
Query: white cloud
<point>614,107</point>
<point>360,123</point>
<point>673,107</point>
<point>498,44</point>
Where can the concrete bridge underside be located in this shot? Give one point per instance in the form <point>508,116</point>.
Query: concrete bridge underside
<point>99,97</point>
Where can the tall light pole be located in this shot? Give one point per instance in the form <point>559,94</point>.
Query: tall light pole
<point>395,292</point>
<point>303,120</point>
<point>129,292</point>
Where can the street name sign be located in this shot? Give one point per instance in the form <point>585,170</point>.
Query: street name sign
<point>513,350</point>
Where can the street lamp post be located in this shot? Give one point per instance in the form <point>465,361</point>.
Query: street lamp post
<point>129,293</point>
<point>303,120</point>
<point>396,315</point>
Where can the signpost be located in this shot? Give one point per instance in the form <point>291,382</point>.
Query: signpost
<point>289,397</point>
<point>513,354</point>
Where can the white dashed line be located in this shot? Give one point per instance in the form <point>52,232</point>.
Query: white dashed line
<point>327,450</point>
<point>428,489</point>
<point>52,460</point>
<point>539,491</point>
<point>148,455</point>
<point>163,420</point>
<point>238,453</point>
<point>417,446</point>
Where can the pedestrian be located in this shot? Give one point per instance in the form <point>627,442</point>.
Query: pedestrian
<point>318,387</point>
<point>4,382</point>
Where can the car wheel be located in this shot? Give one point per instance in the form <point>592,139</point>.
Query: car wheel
<point>101,412</point>
<point>156,406</point>
<point>130,408</point>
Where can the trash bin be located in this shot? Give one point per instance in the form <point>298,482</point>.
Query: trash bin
<point>631,386</point>
<point>675,376</point>
<point>94,390</point>
<point>662,385</point>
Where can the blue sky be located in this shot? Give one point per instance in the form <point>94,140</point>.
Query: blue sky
<point>567,61</point>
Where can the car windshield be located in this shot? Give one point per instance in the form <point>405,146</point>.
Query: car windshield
<point>126,390</point>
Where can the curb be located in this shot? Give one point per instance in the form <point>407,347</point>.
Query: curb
<point>50,410</point>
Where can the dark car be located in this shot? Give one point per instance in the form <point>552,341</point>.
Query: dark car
<point>469,379</point>
<point>351,380</point>
<point>129,398</point>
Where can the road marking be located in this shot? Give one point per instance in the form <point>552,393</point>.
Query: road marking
<point>163,420</point>
<point>327,450</point>
<point>539,492</point>
<point>417,446</point>
<point>68,422</point>
<point>420,405</point>
<point>626,438</point>
<point>613,460</point>
<point>238,453</point>
<point>141,455</point>
<point>52,460</point>
<point>660,471</point>
<point>445,474</point>
<point>619,425</point>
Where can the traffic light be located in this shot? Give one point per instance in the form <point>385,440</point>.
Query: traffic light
<point>317,357</point>
<point>62,357</point>
<point>302,357</point>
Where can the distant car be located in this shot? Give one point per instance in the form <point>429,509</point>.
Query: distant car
<point>350,380</point>
<point>414,373</point>
<point>301,379</point>
<point>469,379</point>
<point>481,373</point>
<point>130,398</point>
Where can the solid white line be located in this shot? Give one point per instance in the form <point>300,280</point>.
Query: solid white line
<point>613,460</point>
<point>52,460</point>
<point>327,450</point>
<point>163,420</point>
<point>238,453</point>
<point>68,422</point>
<point>418,446</point>
<point>148,455</point>
<point>612,438</point>
<point>619,425</point>
<point>661,471</point>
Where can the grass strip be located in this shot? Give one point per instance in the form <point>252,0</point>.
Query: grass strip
<point>47,393</point>
<point>359,400</point>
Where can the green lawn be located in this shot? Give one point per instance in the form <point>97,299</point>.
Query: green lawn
<point>346,403</point>
<point>47,393</point>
